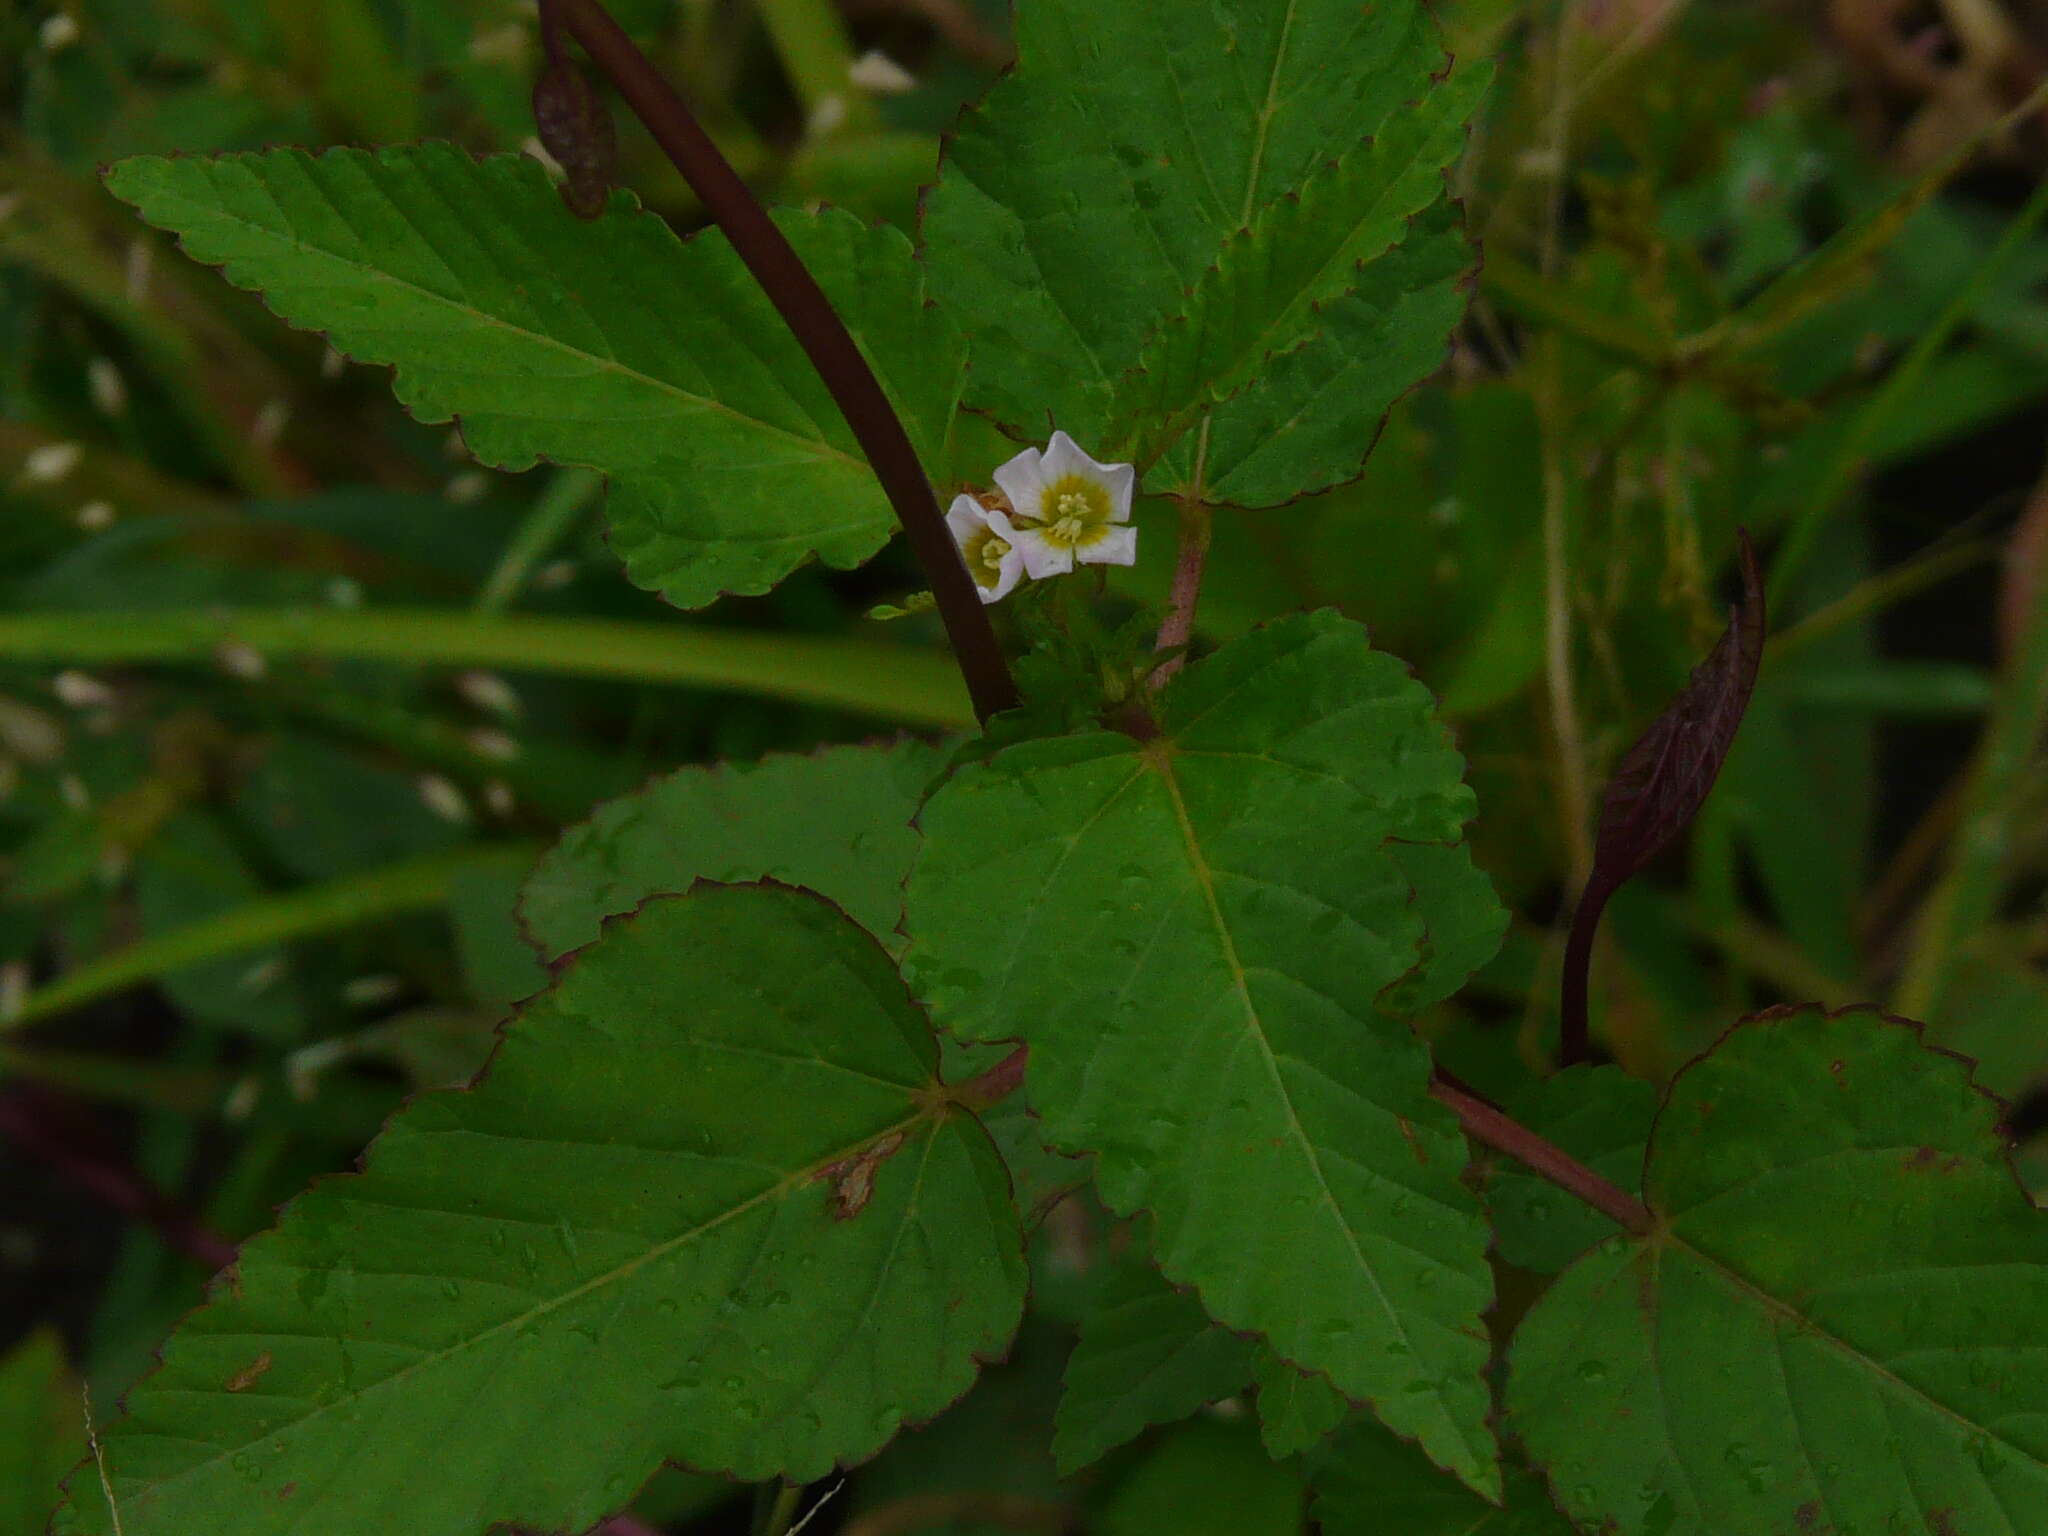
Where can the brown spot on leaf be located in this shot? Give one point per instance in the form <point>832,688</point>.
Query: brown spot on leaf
<point>287,1490</point>
<point>1414,1142</point>
<point>1807,1515</point>
<point>251,1373</point>
<point>853,1178</point>
<point>1943,1521</point>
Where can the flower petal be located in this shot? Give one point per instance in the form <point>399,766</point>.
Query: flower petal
<point>1063,457</point>
<point>964,516</point>
<point>1122,480</point>
<point>1008,574</point>
<point>1041,559</point>
<point>1022,479</point>
<point>1119,546</point>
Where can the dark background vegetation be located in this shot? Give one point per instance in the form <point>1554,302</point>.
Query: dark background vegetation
<point>1655,355</point>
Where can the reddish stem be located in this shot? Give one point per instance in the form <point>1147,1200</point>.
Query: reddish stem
<point>1179,628</point>
<point>37,1124</point>
<point>1574,1040</point>
<point>1482,1122</point>
<point>818,330</point>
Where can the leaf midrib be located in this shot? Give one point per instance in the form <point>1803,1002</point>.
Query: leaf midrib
<point>1161,763</point>
<point>817,447</point>
<point>781,1188</point>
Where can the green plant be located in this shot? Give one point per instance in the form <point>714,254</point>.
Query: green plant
<point>749,1185</point>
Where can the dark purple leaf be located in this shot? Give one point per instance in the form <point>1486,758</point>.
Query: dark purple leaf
<point>1663,780</point>
<point>576,128</point>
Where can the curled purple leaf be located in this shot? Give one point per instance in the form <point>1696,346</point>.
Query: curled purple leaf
<point>575,126</point>
<point>1663,780</point>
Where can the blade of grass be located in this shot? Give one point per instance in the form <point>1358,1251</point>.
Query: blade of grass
<point>889,682</point>
<point>550,520</point>
<point>816,51</point>
<point>1965,899</point>
<point>1872,420</point>
<point>410,886</point>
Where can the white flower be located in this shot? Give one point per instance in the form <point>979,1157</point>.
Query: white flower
<point>1067,507</point>
<point>988,545</point>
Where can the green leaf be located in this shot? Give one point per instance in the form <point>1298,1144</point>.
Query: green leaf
<point>1273,282</point>
<point>1367,1483</point>
<point>1148,1354</point>
<point>1315,413</point>
<point>1111,176</point>
<point>1296,1408</point>
<point>612,345</point>
<point>1191,933</point>
<point>1207,1478</point>
<point>42,1434</point>
<point>613,1243</point>
<point>837,821</point>
<point>1602,1117</point>
<point>1839,1323</point>
<point>1464,923</point>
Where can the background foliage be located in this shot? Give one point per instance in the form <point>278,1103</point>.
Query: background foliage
<point>1745,262</point>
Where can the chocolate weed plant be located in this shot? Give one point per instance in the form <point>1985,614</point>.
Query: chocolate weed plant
<point>750,1186</point>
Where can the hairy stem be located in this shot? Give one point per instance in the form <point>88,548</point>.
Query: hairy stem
<point>817,328</point>
<point>1482,1122</point>
<point>1196,523</point>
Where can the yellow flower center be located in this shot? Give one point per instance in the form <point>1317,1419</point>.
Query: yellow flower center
<point>985,552</point>
<point>1076,512</point>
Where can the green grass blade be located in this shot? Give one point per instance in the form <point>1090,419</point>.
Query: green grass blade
<point>889,682</point>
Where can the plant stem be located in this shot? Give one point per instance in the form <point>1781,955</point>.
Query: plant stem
<point>1481,1120</point>
<point>1484,1123</point>
<point>1578,964</point>
<point>818,330</point>
<point>774,1515</point>
<point>1196,524</point>
<point>546,524</point>
<point>26,1121</point>
<point>1566,737</point>
<point>889,681</point>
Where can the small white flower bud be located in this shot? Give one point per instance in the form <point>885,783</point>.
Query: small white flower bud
<point>876,72</point>
<point>495,745</point>
<point>241,661</point>
<point>444,799</point>
<point>490,693</point>
<point>109,388</point>
<point>81,690</point>
<point>51,462</point>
